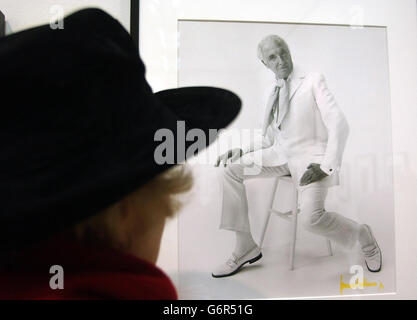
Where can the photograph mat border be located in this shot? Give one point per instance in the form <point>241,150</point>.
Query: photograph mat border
<point>283,22</point>
<point>134,20</point>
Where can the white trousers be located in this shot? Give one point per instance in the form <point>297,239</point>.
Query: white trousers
<point>312,198</point>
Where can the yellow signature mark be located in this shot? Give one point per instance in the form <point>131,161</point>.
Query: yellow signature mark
<point>359,284</point>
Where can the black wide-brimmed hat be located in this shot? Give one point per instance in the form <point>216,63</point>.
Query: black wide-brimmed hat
<point>78,123</point>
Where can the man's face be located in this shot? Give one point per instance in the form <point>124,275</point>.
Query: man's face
<point>277,59</point>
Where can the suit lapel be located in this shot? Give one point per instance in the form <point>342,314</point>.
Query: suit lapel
<point>294,85</point>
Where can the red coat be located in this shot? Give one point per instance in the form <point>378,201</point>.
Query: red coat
<point>89,273</point>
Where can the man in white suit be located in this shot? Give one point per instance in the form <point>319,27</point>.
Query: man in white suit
<point>304,133</point>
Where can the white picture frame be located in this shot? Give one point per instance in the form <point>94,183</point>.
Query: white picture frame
<point>159,50</point>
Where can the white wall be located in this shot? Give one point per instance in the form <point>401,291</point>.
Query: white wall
<point>23,14</point>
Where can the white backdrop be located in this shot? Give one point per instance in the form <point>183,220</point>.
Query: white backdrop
<point>355,64</point>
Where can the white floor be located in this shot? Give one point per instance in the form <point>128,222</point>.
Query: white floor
<point>316,274</point>
<point>202,246</point>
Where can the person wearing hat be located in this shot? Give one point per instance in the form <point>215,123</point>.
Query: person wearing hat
<point>84,202</point>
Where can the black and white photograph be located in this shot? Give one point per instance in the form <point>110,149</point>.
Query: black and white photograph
<point>303,206</point>
<point>2,24</point>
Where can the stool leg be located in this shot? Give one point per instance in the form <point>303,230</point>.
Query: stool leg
<point>271,203</point>
<point>294,228</point>
<point>264,230</point>
<point>329,247</point>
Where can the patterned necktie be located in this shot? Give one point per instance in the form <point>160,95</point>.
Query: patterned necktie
<point>276,103</point>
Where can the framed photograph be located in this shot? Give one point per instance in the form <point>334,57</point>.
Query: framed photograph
<point>344,68</point>
<point>2,24</point>
<point>134,20</point>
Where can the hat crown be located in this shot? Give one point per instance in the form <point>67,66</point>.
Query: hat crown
<point>69,98</point>
<point>65,85</point>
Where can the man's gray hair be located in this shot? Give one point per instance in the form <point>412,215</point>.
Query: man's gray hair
<point>277,40</point>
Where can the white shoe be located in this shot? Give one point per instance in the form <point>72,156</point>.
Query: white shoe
<point>234,264</point>
<point>372,254</point>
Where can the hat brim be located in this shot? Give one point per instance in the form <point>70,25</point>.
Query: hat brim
<point>202,107</point>
<point>194,117</point>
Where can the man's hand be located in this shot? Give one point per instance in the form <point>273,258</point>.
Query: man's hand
<point>229,156</point>
<point>312,174</point>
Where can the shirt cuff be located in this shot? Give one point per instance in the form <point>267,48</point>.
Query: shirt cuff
<point>327,170</point>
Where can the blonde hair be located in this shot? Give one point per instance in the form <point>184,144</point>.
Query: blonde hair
<point>101,229</point>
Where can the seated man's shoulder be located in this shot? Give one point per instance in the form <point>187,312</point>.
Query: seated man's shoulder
<point>314,78</point>
<point>314,75</point>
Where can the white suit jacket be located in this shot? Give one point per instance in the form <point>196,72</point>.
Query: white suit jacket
<point>312,129</point>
